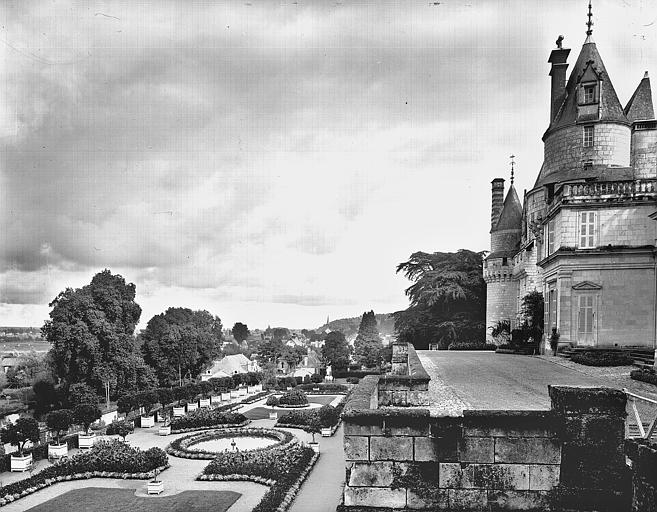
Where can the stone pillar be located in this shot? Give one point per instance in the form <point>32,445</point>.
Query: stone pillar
<point>594,476</point>
<point>399,359</point>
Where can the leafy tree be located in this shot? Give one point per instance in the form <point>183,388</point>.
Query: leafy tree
<point>24,429</point>
<point>121,428</point>
<point>280,333</point>
<point>91,331</point>
<point>335,351</point>
<point>293,355</point>
<point>59,421</point>
<point>80,393</point>
<point>29,367</point>
<point>447,299</point>
<point>46,395</point>
<point>533,311</point>
<point>270,351</point>
<point>368,342</point>
<point>240,332</point>
<point>86,414</point>
<point>180,342</point>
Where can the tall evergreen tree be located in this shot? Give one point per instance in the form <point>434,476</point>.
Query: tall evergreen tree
<point>447,299</point>
<point>240,332</point>
<point>368,342</point>
<point>335,351</point>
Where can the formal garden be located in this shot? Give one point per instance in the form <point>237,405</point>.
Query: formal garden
<point>213,430</point>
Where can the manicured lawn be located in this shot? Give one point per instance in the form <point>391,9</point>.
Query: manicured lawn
<point>261,413</point>
<point>95,499</point>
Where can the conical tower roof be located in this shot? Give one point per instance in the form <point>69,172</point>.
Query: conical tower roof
<point>610,107</point>
<point>640,108</point>
<point>511,215</point>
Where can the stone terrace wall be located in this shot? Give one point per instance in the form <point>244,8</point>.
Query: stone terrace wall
<point>643,456</point>
<point>401,458</point>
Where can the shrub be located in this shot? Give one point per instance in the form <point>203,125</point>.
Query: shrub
<point>165,396</point>
<point>294,397</point>
<point>86,414</point>
<point>121,428</point>
<point>272,401</point>
<point>306,379</point>
<point>602,358</point>
<point>23,430</point>
<point>325,388</point>
<point>353,380</point>
<point>316,378</point>
<point>644,375</point>
<point>324,417</point>
<point>206,418</point>
<point>59,422</point>
<point>469,345</point>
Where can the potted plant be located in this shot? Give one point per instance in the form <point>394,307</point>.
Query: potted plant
<point>226,396</point>
<point>554,341</point>
<point>155,486</point>
<point>24,429</point>
<point>314,426</point>
<point>165,428</point>
<point>272,402</point>
<point>204,402</point>
<point>192,406</point>
<point>85,415</point>
<point>58,422</point>
<point>179,410</point>
<point>121,428</point>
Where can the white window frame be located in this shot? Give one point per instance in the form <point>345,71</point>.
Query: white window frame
<point>588,142</point>
<point>586,229</point>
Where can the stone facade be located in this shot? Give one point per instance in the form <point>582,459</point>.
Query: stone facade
<point>569,458</point>
<point>587,231</point>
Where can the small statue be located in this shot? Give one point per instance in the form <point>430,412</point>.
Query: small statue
<point>559,42</point>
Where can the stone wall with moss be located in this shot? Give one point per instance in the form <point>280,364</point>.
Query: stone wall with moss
<point>402,458</point>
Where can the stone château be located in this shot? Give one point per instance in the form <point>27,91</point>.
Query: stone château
<point>584,235</point>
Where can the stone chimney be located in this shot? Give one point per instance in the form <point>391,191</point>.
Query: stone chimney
<point>497,201</point>
<point>558,59</point>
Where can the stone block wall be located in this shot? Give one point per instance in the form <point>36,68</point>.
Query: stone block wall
<point>569,458</point>
<point>643,457</point>
<point>564,148</point>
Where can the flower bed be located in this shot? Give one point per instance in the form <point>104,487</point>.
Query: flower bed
<point>107,459</point>
<point>325,417</point>
<point>182,447</point>
<point>471,345</point>
<point>294,398</point>
<point>284,468</point>
<point>206,418</point>
<point>255,398</point>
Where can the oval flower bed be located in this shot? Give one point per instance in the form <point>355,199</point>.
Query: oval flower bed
<point>283,467</point>
<point>107,459</point>
<point>293,399</point>
<point>207,418</point>
<point>184,447</point>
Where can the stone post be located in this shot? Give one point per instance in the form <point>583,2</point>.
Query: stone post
<point>594,476</point>
<point>399,359</point>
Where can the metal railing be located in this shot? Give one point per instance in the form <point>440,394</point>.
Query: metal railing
<point>648,406</point>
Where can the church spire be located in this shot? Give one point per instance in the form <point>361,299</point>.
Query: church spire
<point>589,25</point>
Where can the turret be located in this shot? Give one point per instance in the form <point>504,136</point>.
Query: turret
<point>639,111</point>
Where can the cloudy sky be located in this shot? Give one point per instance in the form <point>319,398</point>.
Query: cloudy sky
<point>271,162</point>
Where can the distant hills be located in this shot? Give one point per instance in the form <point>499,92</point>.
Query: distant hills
<point>349,326</point>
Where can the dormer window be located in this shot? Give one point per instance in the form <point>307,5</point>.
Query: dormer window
<point>589,93</point>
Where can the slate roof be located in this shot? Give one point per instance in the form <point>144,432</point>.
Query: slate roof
<point>610,106</point>
<point>639,108</point>
<point>581,173</point>
<point>511,214</point>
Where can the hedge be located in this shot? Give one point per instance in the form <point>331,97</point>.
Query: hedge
<point>465,345</point>
<point>204,418</point>
<point>602,358</point>
<point>344,374</point>
<point>644,375</point>
<point>325,389</point>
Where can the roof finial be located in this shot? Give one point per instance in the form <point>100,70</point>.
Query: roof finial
<point>589,23</point>
<point>512,166</point>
